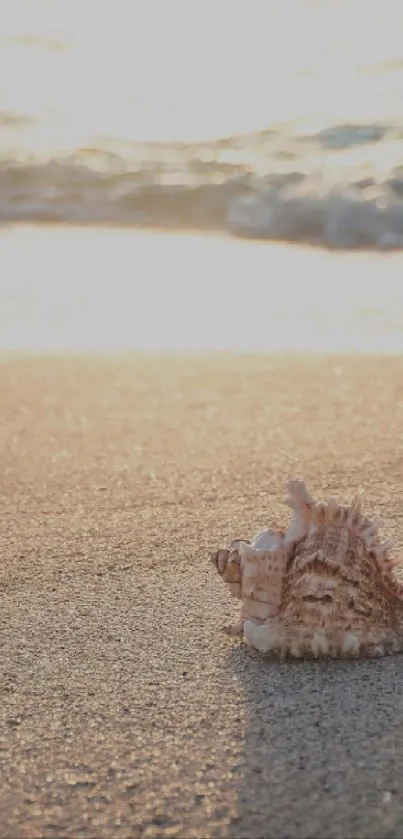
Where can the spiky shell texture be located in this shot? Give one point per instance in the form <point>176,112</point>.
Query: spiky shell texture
<point>325,586</point>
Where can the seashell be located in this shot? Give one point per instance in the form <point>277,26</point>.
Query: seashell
<point>262,575</point>
<point>301,502</point>
<point>324,587</point>
<point>268,539</point>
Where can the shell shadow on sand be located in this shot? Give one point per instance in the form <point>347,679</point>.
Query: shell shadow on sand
<point>320,747</point>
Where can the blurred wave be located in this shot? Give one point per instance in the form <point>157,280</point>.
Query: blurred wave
<point>341,187</point>
<point>111,113</point>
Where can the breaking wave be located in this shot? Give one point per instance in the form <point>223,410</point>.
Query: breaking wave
<point>339,188</point>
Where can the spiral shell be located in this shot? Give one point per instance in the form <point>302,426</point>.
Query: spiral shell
<point>324,587</point>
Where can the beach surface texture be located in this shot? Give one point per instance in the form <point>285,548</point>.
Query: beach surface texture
<point>125,712</point>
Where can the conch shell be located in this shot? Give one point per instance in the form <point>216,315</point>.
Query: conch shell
<point>323,587</point>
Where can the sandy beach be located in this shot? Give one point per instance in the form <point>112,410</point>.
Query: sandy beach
<point>125,713</point>
<point>201,297</point>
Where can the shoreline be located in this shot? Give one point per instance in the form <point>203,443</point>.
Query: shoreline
<point>118,291</point>
<point>209,233</point>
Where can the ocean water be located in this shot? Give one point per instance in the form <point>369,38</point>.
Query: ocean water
<point>272,119</point>
<point>87,290</point>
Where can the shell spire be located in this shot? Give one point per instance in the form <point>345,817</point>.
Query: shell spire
<point>301,502</point>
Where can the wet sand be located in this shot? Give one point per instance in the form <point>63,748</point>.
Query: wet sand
<point>124,712</point>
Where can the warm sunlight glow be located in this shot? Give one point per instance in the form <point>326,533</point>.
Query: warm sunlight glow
<point>275,119</point>
<point>186,69</point>
<point>120,291</point>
